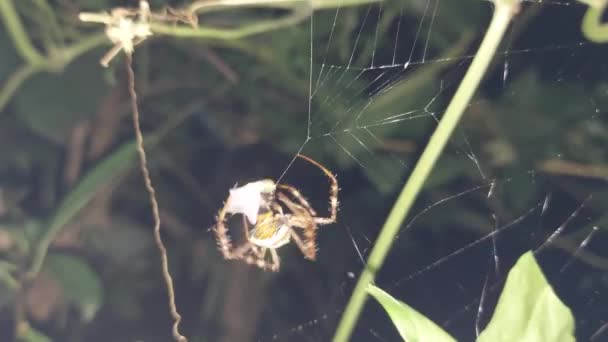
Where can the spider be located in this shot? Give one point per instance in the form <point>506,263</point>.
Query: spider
<point>279,213</point>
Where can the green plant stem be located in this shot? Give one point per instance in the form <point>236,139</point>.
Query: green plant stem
<point>503,12</point>
<point>212,5</point>
<point>69,53</point>
<point>592,25</point>
<point>300,11</point>
<point>58,60</point>
<point>327,4</point>
<point>17,33</point>
<point>48,20</point>
<point>15,80</point>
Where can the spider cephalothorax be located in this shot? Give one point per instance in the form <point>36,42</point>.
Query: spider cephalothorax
<point>278,213</point>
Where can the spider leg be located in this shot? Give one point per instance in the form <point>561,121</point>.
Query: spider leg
<point>224,243</point>
<point>245,227</point>
<point>308,250</point>
<point>333,193</point>
<point>300,207</point>
<point>259,259</point>
<point>301,219</point>
<point>240,251</point>
<point>276,261</point>
<point>298,196</point>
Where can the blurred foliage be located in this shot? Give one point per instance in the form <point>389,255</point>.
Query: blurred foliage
<point>80,284</point>
<point>218,112</point>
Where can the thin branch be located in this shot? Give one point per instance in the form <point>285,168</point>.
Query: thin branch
<point>18,34</point>
<point>154,203</point>
<point>57,61</point>
<point>299,11</point>
<point>14,82</point>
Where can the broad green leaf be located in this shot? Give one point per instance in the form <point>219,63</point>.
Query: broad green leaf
<point>51,104</point>
<point>80,283</point>
<point>528,310</point>
<point>412,325</point>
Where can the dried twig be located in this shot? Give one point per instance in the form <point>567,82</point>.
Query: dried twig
<point>154,203</point>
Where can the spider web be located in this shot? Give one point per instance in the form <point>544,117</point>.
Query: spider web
<point>381,76</point>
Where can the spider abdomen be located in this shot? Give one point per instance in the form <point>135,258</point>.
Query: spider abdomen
<point>270,233</point>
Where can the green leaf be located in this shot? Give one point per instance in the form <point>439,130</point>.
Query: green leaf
<point>412,325</point>
<point>528,310</point>
<point>81,285</point>
<point>51,104</point>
